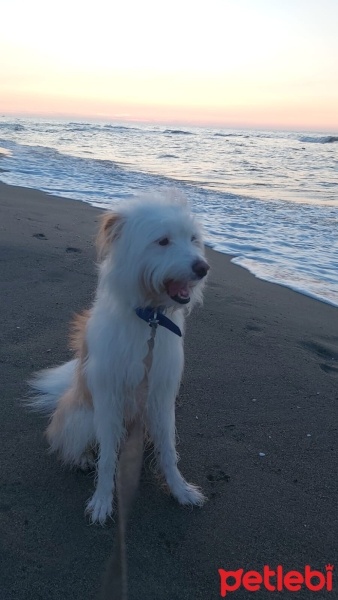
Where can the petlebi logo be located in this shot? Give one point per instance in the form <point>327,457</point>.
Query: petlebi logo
<point>276,580</point>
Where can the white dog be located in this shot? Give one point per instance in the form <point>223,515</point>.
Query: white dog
<point>151,261</point>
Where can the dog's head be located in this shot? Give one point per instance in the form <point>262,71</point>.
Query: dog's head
<point>152,253</point>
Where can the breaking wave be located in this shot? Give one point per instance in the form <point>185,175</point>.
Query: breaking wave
<point>327,139</point>
<point>178,132</point>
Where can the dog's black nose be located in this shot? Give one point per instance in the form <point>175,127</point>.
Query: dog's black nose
<point>200,268</point>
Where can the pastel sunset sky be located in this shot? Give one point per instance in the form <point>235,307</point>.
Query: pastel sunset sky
<point>248,63</point>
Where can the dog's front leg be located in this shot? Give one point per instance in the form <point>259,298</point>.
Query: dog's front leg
<point>108,421</point>
<point>161,426</point>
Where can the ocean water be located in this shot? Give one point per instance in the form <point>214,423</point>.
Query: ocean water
<point>268,198</point>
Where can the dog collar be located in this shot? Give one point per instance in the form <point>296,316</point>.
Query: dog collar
<point>154,317</point>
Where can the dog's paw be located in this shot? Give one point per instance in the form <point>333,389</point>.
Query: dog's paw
<point>100,508</point>
<point>190,495</point>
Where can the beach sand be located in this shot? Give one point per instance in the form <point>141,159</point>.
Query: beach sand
<point>261,377</point>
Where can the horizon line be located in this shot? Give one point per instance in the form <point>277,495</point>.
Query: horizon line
<point>198,123</point>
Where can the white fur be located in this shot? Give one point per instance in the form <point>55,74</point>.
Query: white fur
<point>134,271</point>
<point>50,384</point>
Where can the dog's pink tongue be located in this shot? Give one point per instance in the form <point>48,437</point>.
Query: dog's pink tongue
<point>178,288</point>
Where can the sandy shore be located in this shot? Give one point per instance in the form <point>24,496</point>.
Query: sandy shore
<point>261,377</point>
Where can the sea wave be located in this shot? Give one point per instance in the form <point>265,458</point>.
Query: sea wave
<point>219,134</point>
<point>82,127</point>
<point>327,139</point>
<point>120,128</point>
<point>12,126</point>
<point>178,132</point>
<point>80,124</point>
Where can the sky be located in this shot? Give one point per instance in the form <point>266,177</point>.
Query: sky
<point>235,63</point>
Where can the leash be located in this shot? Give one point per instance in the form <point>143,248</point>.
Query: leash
<point>114,586</point>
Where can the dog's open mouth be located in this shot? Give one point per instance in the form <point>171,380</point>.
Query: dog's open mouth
<point>178,291</point>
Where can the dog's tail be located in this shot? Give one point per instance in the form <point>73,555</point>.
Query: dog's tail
<point>49,385</point>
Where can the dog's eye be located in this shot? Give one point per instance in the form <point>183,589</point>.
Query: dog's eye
<point>164,241</point>
<point>193,238</point>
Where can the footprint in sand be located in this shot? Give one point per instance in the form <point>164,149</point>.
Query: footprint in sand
<point>72,249</point>
<point>216,474</point>
<point>326,350</point>
<point>331,369</point>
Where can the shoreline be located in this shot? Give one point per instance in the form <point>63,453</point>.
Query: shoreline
<point>232,257</point>
<point>256,418</point>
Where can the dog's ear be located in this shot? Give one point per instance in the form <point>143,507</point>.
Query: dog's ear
<point>110,229</point>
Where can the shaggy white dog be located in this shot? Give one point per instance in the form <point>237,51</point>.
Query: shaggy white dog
<point>152,264</point>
